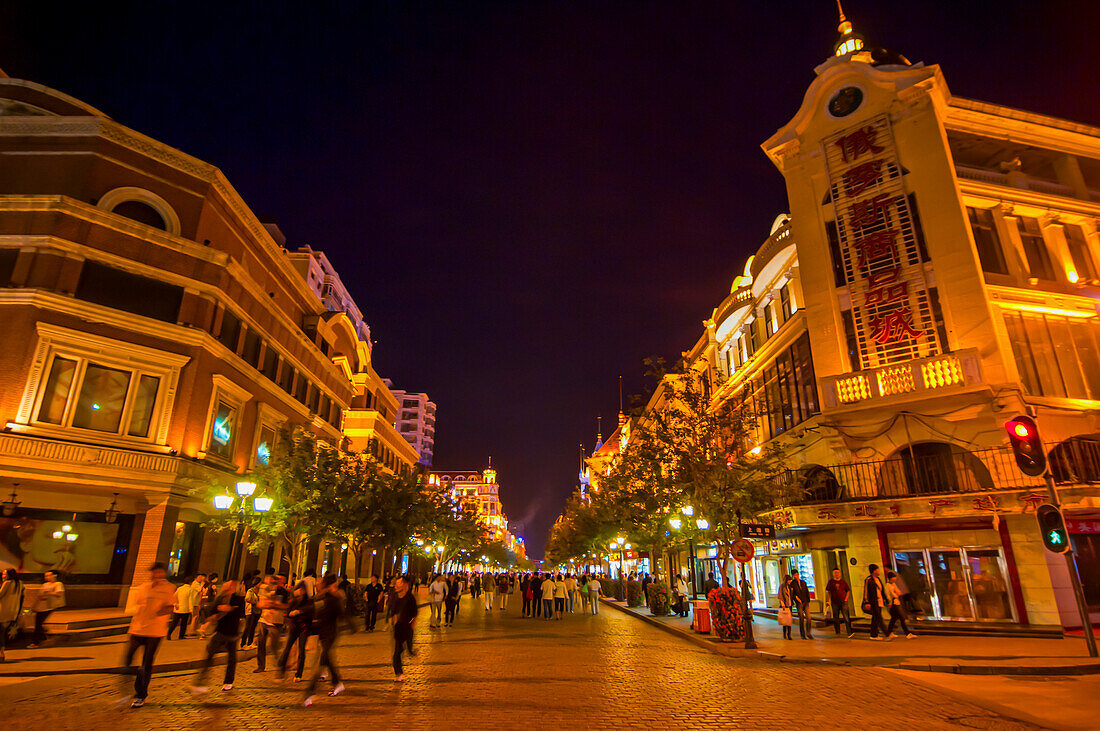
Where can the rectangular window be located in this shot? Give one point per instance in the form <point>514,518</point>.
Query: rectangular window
<point>102,398</point>
<point>58,387</point>
<point>251,350</point>
<point>854,360</point>
<point>145,400</point>
<point>314,399</point>
<point>267,443</point>
<point>840,278</point>
<point>222,430</point>
<point>753,326</point>
<point>99,397</point>
<point>1079,253</point>
<point>1056,356</point>
<point>7,265</point>
<point>231,330</point>
<point>918,230</point>
<point>271,363</point>
<point>785,301</point>
<point>286,380</point>
<point>1038,258</point>
<point>769,322</point>
<point>990,253</point>
<point>301,387</point>
<point>110,287</point>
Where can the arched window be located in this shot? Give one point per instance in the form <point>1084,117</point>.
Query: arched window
<point>930,468</point>
<point>819,484</point>
<point>1077,459</point>
<point>142,213</point>
<point>142,206</point>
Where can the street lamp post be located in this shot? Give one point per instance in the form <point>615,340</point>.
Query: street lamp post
<point>241,529</point>
<point>702,524</point>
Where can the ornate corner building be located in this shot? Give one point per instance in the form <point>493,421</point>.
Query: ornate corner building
<point>936,276</point>
<point>157,335</point>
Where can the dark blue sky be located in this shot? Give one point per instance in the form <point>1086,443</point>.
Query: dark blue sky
<point>525,198</point>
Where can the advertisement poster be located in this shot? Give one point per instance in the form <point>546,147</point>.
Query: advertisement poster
<point>33,545</point>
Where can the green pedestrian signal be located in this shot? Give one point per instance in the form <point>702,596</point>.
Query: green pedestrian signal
<point>1052,528</point>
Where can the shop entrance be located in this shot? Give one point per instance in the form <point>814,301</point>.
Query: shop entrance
<point>956,583</point>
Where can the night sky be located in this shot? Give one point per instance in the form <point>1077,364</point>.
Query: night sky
<point>525,198</point>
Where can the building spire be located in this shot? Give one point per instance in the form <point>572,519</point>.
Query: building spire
<point>848,41</point>
<point>599,429</point>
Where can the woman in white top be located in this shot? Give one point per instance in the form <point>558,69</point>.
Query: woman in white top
<point>682,590</point>
<point>559,597</point>
<point>50,597</point>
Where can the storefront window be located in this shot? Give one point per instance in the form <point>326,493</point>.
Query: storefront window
<point>956,583</point>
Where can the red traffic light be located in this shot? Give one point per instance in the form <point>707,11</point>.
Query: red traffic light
<point>1023,436</point>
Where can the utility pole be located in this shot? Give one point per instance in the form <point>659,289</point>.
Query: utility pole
<point>750,640</point>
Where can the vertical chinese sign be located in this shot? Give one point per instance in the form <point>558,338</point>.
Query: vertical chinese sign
<point>882,257</point>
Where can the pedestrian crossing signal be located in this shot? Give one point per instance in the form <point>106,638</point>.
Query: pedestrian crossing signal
<point>1023,435</point>
<point>1053,529</point>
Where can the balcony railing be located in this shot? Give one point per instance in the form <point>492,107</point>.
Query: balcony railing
<point>944,473</point>
<point>914,376</point>
<point>1020,180</point>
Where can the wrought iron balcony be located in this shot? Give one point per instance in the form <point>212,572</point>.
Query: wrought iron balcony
<point>936,469</point>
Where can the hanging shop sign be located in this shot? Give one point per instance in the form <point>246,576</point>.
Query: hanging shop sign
<point>782,546</point>
<point>882,258</point>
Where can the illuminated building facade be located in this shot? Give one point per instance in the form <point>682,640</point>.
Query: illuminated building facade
<point>157,337</point>
<point>937,275</point>
<point>416,422</point>
<point>481,490</point>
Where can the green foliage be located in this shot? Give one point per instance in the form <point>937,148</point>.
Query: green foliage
<point>320,491</point>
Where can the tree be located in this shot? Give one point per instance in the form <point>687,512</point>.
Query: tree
<point>298,477</point>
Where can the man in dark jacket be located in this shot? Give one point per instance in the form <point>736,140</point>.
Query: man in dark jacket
<point>874,599</point>
<point>373,596</point>
<point>402,616</point>
<point>800,595</point>
<point>330,602</point>
<point>228,608</point>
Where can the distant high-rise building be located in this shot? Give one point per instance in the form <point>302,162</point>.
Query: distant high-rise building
<point>416,422</point>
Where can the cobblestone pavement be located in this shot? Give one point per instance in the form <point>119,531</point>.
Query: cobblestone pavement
<point>500,671</point>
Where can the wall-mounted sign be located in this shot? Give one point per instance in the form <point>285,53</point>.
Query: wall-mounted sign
<point>782,546</point>
<point>880,251</point>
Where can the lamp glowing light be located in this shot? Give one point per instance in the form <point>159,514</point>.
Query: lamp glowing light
<point>702,524</point>
<point>58,535</point>
<point>688,510</point>
<point>627,546</point>
<point>755,451</point>
<point>675,523</point>
<point>244,489</point>
<point>70,537</point>
<point>1072,276</point>
<point>66,528</point>
<point>223,502</point>
<point>262,504</point>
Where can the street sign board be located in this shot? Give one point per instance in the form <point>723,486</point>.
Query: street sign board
<point>757,530</point>
<point>742,551</point>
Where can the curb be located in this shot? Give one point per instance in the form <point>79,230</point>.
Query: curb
<point>697,639</point>
<point>171,667</point>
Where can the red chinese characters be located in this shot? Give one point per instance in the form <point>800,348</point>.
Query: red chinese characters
<point>1032,501</point>
<point>940,503</point>
<point>826,514</point>
<point>895,510</point>
<point>877,245</point>
<point>986,502</point>
<point>865,511</point>
<point>868,212</point>
<point>854,144</point>
<point>894,326</point>
<point>862,177</point>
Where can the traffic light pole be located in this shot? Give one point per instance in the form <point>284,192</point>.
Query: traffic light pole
<point>1074,578</point>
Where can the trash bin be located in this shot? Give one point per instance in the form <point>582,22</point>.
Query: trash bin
<point>701,610</point>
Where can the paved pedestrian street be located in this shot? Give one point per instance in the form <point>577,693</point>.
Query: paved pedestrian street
<point>503,671</point>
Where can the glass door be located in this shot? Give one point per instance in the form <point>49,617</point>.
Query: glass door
<point>950,582</point>
<point>989,588</point>
<point>912,567</point>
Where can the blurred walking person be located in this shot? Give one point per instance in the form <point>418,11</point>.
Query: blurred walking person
<point>51,596</point>
<point>874,599</point>
<point>402,616</point>
<point>149,605</point>
<point>299,614</point>
<point>273,600</point>
<point>181,610</point>
<point>895,595</point>
<point>594,588</point>
<point>252,612</point>
<point>11,605</point>
<point>437,592</point>
<point>325,626</point>
<point>489,586</point>
<point>226,626</point>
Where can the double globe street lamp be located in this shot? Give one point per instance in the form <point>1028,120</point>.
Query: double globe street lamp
<point>226,502</point>
<point>678,522</point>
<point>618,545</point>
